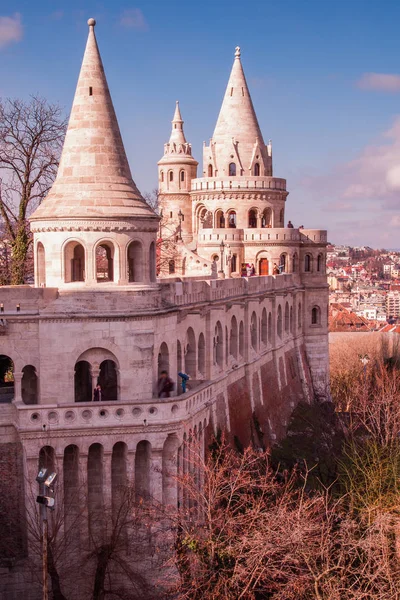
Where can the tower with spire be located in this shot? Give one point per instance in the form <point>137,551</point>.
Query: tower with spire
<point>176,170</point>
<point>94,227</point>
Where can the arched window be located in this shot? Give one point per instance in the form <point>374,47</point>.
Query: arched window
<point>182,176</point>
<point>291,319</point>
<point>266,220</point>
<point>264,327</point>
<point>108,380</point>
<point>171,266</point>
<point>74,262</point>
<point>83,382</point>
<point>41,264</point>
<point>287,323</point>
<point>190,353</point>
<point>316,315</point>
<point>234,263</point>
<point>163,359</point>
<point>252,218</point>
<point>232,219</point>
<point>201,355</point>
<point>282,263</point>
<point>219,219</point>
<point>232,169</point>
<point>179,366</point>
<point>233,341</point>
<point>320,262</point>
<point>279,322</point>
<point>6,378</point>
<point>162,176</point>
<point>105,262</point>
<point>210,170</point>
<point>29,385</point>
<point>169,470</point>
<point>152,260</point>
<point>307,263</point>
<point>281,217</point>
<point>257,169</point>
<point>218,345</point>
<point>171,175</point>
<point>253,331</point>
<point>135,262</point>
<point>269,328</point>
<point>294,263</point>
<point>241,339</point>
<point>299,321</point>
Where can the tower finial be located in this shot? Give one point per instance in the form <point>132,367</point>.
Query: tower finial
<point>237,52</point>
<point>91,22</point>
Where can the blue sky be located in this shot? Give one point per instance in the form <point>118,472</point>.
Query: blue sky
<point>324,77</point>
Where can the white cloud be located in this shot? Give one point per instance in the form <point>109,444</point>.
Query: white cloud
<point>383,82</point>
<point>10,30</point>
<point>133,18</point>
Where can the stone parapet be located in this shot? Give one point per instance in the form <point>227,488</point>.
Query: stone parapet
<point>238,183</point>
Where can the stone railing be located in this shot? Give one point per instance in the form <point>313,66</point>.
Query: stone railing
<point>52,417</point>
<point>190,292</point>
<point>239,183</point>
<point>313,235</point>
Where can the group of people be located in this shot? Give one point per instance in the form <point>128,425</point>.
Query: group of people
<point>248,270</point>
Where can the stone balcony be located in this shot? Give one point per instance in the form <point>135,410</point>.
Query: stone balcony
<point>238,183</point>
<point>104,415</point>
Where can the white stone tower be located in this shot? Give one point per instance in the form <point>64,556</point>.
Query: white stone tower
<point>176,170</point>
<point>94,227</point>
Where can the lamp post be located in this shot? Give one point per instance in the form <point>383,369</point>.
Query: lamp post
<point>161,218</point>
<point>222,251</point>
<point>180,217</point>
<point>46,483</point>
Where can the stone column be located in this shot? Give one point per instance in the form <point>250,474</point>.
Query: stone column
<point>156,474</point>
<point>90,266</point>
<point>17,388</point>
<point>107,479</point>
<point>259,217</point>
<point>95,372</point>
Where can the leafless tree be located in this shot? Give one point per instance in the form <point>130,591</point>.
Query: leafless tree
<point>31,137</point>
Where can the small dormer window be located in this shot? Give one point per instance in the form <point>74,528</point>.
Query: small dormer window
<point>90,91</point>
<point>210,170</point>
<point>232,169</point>
<point>257,169</point>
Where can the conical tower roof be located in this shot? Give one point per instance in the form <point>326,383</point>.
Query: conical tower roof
<point>93,179</point>
<point>177,149</point>
<point>237,136</point>
<point>237,118</point>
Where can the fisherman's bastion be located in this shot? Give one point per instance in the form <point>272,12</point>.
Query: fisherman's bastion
<point>214,286</point>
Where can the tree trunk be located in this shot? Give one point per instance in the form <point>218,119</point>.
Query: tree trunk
<point>54,576</point>
<point>20,248</point>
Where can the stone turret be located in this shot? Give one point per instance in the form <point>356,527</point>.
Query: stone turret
<point>237,147</point>
<point>94,226</point>
<point>176,170</point>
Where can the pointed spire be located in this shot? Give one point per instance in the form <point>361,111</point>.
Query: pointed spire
<point>177,134</point>
<point>237,118</point>
<point>94,178</point>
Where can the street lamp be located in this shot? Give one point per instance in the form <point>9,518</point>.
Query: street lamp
<point>180,217</point>
<point>46,483</point>
<point>222,250</point>
<point>161,218</point>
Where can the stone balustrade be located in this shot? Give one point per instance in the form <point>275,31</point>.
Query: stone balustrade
<point>238,183</point>
<point>55,417</point>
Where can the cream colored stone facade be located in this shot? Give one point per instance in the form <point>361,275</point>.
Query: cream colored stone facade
<point>252,346</point>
